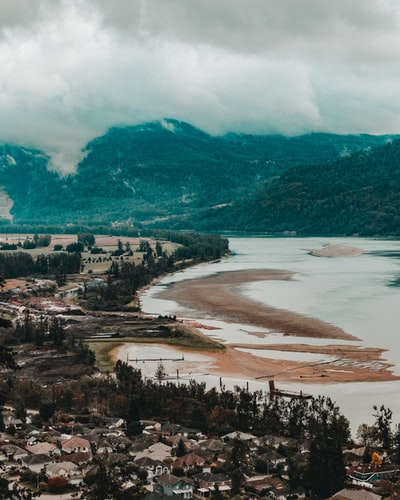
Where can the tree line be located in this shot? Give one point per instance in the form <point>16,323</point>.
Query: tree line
<point>125,278</point>
<point>353,195</point>
<point>23,264</point>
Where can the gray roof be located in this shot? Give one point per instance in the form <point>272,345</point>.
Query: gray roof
<point>347,494</point>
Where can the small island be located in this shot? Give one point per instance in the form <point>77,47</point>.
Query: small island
<point>335,250</point>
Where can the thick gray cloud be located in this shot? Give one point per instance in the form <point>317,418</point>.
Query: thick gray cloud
<point>70,69</point>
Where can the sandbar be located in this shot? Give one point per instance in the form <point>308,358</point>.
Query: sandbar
<point>335,250</point>
<point>219,296</point>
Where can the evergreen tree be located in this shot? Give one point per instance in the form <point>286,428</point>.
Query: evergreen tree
<point>328,431</point>
<point>237,465</point>
<point>20,408</point>
<point>326,472</point>
<point>216,494</point>
<point>27,326</point>
<point>46,410</point>
<point>158,249</point>
<point>134,427</point>
<point>2,424</point>
<point>57,330</point>
<point>199,419</point>
<point>180,449</point>
<point>383,421</point>
<point>4,488</point>
<point>396,444</point>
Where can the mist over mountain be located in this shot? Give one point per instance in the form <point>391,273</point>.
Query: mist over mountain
<point>170,173</point>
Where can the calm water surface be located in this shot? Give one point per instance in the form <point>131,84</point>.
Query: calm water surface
<point>350,292</point>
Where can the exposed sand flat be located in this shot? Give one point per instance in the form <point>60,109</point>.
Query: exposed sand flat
<point>343,364</point>
<point>348,365</point>
<point>218,296</point>
<point>335,251</point>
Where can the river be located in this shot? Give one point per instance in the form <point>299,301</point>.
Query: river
<point>355,293</point>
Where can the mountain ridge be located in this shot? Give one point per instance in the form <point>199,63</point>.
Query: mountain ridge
<point>166,170</point>
<point>358,195</point>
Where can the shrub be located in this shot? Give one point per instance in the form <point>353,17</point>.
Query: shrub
<point>56,484</point>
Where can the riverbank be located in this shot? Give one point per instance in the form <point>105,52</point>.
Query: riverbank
<point>219,296</point>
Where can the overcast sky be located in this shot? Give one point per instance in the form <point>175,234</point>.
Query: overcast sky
<point>70,69</point>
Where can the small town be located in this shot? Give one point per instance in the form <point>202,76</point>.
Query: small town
<point>72,430</point>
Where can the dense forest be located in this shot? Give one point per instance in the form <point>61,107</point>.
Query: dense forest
<point>357,195</point>
<point>159,172</point>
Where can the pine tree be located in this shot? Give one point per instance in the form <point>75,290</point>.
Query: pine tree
<point>326,472</point>
<point>180,449</point>
<point>237,465</point>
<point>328,431</point>
<point>2,424</point>
<point>383,421</point>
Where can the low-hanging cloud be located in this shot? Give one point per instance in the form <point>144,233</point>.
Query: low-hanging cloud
<point>72,69</point>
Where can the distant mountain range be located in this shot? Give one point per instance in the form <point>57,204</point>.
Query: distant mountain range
<point>358,195</point>
<point>168,173</point>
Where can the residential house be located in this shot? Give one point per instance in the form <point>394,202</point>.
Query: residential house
<point>154,468</point>
<point>79,458</point>
<point>169,429</point>
<point>274,459</point>
<point>142,443</point>
<point>13,452</point>
<point>243,436</point>
<point>260,485</point>
<point>104,446</point>
<point>150,426</point>
<point>211,445</point>
<point>189,461</point>
<point>157,451</point>
<point>158,496</point>
<point>353,456</point>
<point>367,474</point>
<point>36,463</point>
<point>171,485</point>
<point>355,494</point>
<point>279,488</point>
<point>174,441</point>
<point>207,482</point>
<point>67,470</point>
<point>75,444</point>
<point>42,448</point>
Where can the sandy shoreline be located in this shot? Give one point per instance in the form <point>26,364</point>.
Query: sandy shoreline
<point>336,250</point>
<point>219,296</point>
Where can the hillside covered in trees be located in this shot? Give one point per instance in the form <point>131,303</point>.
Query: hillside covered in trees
<point>161,172</point>
<point>356,195</point>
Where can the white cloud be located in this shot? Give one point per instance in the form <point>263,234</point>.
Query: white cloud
<point>71,69</point>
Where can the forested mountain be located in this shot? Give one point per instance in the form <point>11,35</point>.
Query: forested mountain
<point>161,171</point>
<point>357,195</point>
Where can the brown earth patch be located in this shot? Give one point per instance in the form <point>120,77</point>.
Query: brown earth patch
<point>219,296</point>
